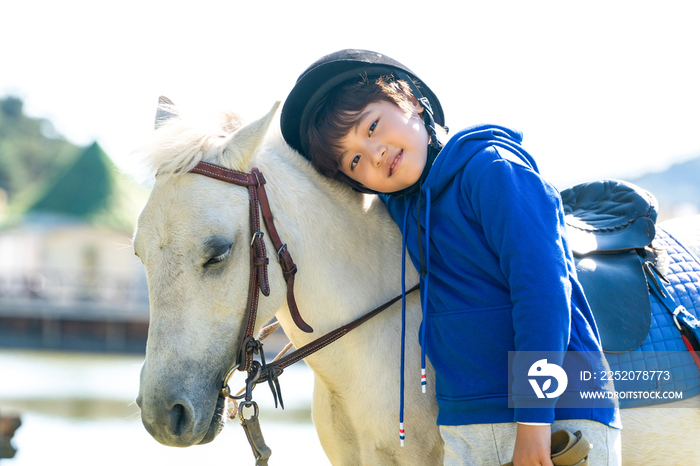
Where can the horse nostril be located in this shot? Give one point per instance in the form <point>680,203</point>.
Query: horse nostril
<point>171,420</point>
<point>178,419</point>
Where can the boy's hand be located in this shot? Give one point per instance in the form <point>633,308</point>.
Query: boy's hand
<point>533,446</point>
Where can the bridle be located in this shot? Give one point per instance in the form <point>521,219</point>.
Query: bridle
<point>248,345</point>
<point>259,205</point>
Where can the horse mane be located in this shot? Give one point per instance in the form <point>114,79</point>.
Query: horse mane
<point>179,142</point>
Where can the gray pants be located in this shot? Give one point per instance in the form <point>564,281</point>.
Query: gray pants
<point>492,444</point>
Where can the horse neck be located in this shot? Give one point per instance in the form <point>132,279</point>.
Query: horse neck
<point>348,257</point>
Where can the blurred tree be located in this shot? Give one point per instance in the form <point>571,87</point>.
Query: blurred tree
<point>12,107</point>
<point>29,153</point>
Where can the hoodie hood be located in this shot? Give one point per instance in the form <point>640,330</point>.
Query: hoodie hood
<point>463,145</point>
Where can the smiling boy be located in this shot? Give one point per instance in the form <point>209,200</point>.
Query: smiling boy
<point>486,232</point>
<point>387,157</point>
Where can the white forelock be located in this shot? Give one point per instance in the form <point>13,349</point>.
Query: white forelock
<point>180,142</point>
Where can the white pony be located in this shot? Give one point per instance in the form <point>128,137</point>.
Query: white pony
<point>193,237</point>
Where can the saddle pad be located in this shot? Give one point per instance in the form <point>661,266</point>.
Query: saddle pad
<point>663,349</point>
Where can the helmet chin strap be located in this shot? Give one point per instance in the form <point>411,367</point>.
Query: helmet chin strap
<point>427,109</point>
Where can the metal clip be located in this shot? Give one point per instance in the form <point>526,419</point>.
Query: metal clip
<point>252,430</point>
<point>248,404</point>
<point>252,381</point>
<point>689,319</point>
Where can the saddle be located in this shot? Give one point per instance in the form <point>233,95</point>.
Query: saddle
<point>609,225</point>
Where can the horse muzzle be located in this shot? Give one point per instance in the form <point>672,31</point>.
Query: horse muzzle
<point>178,422</point>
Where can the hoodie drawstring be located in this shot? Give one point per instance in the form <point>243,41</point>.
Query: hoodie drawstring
<point>434,149</point>
<point>425,272</point>
<point>403,322</point>
<point>426,286</point>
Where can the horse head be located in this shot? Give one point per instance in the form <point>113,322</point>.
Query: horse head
<point>193,237</point>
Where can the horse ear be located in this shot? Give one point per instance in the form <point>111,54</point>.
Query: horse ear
<point>166,111</point>
<point>243,143</point>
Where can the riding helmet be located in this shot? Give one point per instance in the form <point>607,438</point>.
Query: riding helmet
<point>335,69</point>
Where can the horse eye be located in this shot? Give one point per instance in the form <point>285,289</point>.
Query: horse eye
<point>220,257</point>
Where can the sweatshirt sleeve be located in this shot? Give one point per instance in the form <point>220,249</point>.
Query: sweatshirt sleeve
<point>522,220</point>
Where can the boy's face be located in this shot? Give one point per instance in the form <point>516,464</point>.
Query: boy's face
<point>387,149</point>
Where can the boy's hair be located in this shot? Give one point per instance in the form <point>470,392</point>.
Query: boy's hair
<point>336,114</point>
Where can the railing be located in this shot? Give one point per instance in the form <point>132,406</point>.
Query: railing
<point>62,310</point>
<point>56,293</point>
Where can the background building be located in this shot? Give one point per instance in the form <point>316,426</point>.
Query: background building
<point>68,275</point>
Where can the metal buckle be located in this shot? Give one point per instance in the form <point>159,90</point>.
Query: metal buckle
<point>282,248</point>
<point>255,236</point>
<point>675,320</point>
<point>689,320</point>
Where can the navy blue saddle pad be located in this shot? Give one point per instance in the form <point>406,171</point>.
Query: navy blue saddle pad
<point>663,349</point>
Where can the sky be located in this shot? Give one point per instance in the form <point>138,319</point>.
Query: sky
<point>600,89</point>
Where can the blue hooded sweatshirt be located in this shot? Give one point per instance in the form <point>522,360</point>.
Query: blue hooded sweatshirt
<point>500,283</point>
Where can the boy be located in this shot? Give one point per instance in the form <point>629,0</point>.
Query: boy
<point>487,234</point>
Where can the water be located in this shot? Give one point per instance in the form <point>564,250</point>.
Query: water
<point>77,409</point>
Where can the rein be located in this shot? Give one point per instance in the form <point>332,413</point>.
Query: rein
<point>276,368</point>
<point>248,345</point>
